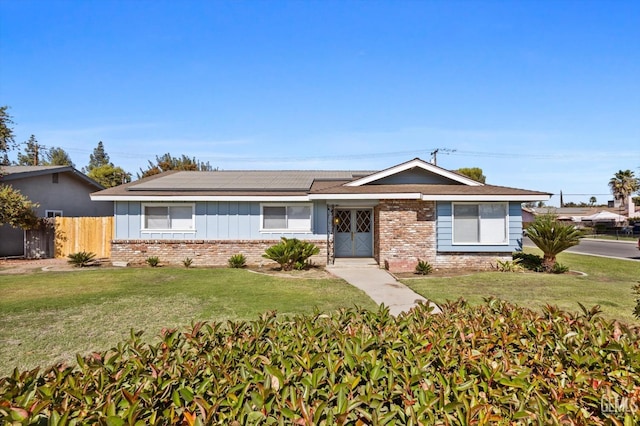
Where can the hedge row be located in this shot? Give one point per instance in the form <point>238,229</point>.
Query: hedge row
<point>490,364</point>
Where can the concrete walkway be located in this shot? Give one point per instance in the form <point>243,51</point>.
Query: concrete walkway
<point>381,286</point>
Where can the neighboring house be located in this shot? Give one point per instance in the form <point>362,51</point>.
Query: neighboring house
<point>411,211</point>
<point>59,191</point>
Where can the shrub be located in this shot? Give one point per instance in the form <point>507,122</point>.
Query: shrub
<point>508,266</point>
<point>153,261</point>
<point>552,237</point>
<point>495,363</point>
<point>237,261</point>
<point>529,261</point>
<point>291,252</point>
<point>423,267</point>
<point>559,268</point>
<point>81,258</point>
<point>187,262</point>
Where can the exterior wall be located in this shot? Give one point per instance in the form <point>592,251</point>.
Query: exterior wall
<point>408,230</point>
<point>405,233</point>
<point>445,232</point>
<point>214,220</point>
<point>70,194</point>
<point>203,253</point>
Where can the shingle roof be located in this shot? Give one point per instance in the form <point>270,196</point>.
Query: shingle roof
<point>268,180</point>
<point>21,172</point>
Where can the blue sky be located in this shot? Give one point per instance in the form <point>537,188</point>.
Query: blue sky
<point>541,95</point>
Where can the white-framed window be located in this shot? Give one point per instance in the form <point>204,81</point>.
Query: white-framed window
<point>286,217</point>
<point>168,217</point>
<point>53,213</point>
<point>481,223</point>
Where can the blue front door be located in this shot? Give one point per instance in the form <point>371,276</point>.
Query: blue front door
<point>354,236</point>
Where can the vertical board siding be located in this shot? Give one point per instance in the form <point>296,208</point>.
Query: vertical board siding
<point>91,234</point>
<point>215,220</point>
<point>444,231</point>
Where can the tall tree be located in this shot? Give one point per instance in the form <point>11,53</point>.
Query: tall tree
<point>98,158</point>
<point>7,138</point>
<point>593,201</point>
<point>57,157</point>
<point>167,162</point>
<point>474,173</point>
<point>109,175</point>
<point>33,153</point>
<point>623,184</point>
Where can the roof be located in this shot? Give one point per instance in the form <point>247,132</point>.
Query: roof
<point>11,173</point>
<point>307,185</point>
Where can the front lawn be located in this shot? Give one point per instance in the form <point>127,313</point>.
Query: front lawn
<point>608,283</point>
<point>46,317</point>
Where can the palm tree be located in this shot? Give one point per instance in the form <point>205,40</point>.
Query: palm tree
<point>623,184</point>
<point>552,237</point>
<point>593,201</point>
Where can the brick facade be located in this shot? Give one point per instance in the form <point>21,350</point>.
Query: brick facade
<point>405,231</point>
<point>203,252</point>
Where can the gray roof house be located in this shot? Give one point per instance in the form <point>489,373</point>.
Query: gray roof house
<point>413,210</point>
<point>59,191</point>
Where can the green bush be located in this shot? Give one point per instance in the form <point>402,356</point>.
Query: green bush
<point>187,262</point>
<point>529,261</point>
<point>559,268</point>
<point>237,261</point>
<point>153,261</point>
<point>508,266</point>
<point>490,364</point>
<point>291,253</point>
<point>423,267</point>
<point>81,258</point>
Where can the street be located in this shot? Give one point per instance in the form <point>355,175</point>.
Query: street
<point>609,248</point>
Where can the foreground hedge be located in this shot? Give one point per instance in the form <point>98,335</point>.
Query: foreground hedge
<point>496,363</point>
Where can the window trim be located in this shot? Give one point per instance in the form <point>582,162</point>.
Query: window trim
<point>480,243</point>
<point>143,217</point>
<point>55,213</point>
<point>287,230</point>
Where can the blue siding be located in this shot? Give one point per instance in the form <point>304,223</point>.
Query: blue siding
<point>444,231</point>
<point>215,220</point>
<point>414,176</point>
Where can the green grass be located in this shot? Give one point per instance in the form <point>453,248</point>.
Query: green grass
<point>608,284</point>
<point>48,317</point>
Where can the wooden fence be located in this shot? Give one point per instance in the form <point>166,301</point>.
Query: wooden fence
<point>74,234</point>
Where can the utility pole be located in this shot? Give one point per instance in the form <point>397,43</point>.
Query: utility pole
<point>434,157</point>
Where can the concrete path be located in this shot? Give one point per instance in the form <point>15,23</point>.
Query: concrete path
<point>381,286</point>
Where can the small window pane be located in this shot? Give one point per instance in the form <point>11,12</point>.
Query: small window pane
<point>274,217</point>
<point>181,217</point>
<point>493,226</point>
<point>465,226</point>
<point>299,217</point>
<point>156,218</point>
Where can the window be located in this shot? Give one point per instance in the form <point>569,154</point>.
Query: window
<point>168,217</point>
<point>53,213</point>
<point>484,223</point>
<point>296,217</point>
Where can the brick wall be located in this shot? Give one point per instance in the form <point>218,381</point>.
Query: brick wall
<point>203,252</point>
<point>405,232</point>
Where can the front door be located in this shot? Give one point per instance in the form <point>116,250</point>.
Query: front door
<point>354,236</point>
